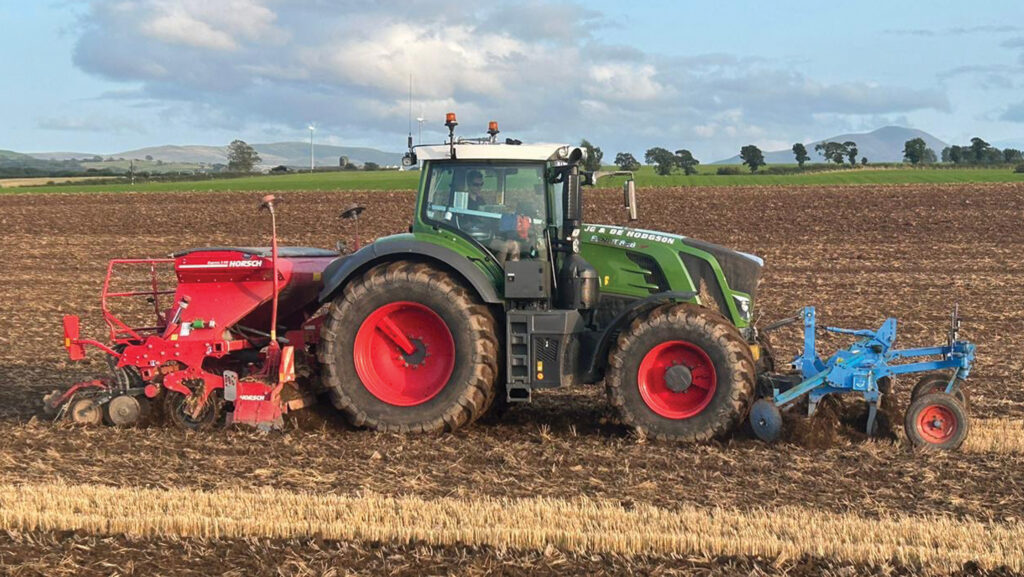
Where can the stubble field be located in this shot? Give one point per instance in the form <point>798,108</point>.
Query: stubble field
<point>486,499</point>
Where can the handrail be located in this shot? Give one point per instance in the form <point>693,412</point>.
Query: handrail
<point>119,330</point>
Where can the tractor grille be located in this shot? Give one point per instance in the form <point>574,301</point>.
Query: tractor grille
<point>741,272</point>
<point>653,275</point>
<point>701,272</point>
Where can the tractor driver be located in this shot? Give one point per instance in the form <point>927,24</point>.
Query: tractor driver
<point>475,183</point>
<point>503,243</point>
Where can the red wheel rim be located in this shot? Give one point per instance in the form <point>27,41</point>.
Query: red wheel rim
<point>936,424</point>
<point>656,392</point>
<point>404,353</point>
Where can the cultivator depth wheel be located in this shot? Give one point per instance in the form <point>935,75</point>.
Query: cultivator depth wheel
<point>936,421</point>
<point>937,383</point>
<point>766,420</point>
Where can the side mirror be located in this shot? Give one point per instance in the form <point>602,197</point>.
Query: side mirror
<point>576,155</point>
<point>629,198</point>
<point>574,206</point>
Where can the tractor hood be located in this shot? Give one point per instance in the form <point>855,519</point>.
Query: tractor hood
<point>635,261</point>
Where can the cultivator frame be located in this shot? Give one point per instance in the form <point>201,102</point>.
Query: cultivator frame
<point>937,416</point>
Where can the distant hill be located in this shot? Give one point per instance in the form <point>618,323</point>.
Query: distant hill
<point>12,162</point>
<point>61,155</point>
<point>882,145</point>
<point>272,154</point>
<point>297,154</point>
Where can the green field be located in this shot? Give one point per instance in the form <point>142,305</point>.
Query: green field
<point>393,180</point>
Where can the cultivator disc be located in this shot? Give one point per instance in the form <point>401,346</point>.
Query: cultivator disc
<point>766,420</point>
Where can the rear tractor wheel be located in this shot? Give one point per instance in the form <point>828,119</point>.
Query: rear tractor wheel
<point>407,348</point>
<point>681,373</point>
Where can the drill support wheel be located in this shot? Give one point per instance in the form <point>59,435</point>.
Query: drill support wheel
<point>124,411</point>
<point>178,408</point>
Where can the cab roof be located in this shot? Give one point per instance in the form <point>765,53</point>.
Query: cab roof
<point>497,151</point>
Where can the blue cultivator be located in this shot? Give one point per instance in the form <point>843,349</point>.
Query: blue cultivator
<point>937,416</point>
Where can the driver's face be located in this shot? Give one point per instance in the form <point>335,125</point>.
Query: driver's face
<point>476,184</point>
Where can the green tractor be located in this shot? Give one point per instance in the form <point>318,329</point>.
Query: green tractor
<point>500,289</point>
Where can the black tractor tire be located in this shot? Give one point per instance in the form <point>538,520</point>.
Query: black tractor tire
<point>699,329</point>
<point>471,388</point>
<point>936,383</point>
<point>936,421</point>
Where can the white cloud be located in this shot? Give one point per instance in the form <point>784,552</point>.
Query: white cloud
<point>625,82</point>
<point>182,29</point>
<point>537,67</point>
<point>203,24</point>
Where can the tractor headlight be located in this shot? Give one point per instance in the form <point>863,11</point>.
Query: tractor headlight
<point>743,306</point>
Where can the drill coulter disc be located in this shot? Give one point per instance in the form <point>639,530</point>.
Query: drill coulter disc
<point>85,412</point>
<point>124,411</point>
<point>766,420</point>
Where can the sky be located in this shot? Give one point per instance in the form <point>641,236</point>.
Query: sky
<point>106,76</point>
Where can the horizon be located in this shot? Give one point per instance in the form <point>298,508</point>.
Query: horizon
<point>321,146</point>
<point>129,75</point>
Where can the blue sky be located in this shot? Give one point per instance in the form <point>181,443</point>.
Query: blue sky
<point>112,75</point>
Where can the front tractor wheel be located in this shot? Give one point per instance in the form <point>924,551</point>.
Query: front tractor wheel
<point>407,348</point>
<point>681,373</point>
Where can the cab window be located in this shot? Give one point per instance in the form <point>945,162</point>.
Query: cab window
<point>502,206</point>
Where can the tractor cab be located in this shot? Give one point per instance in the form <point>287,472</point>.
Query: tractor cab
<point>515,208</point>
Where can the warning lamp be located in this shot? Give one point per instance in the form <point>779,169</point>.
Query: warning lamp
<point>451,123</point>
<point>492,127</point>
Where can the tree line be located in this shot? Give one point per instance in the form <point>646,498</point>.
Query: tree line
<point>915,152</point>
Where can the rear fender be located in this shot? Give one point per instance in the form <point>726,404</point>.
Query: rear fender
<point>336,277</point>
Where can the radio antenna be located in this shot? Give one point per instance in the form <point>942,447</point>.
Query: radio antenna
<point>410,111</point>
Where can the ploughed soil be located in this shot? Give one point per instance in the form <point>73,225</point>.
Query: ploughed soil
<point>859,253</point>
